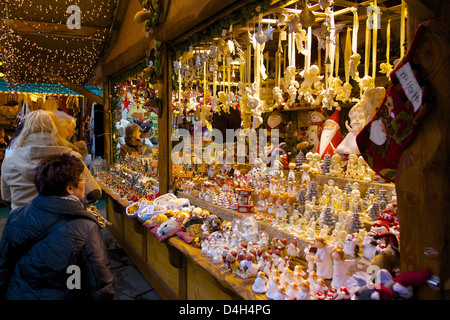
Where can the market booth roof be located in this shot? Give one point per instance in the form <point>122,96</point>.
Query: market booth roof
<point>49,41</point>
<point>44,88</point>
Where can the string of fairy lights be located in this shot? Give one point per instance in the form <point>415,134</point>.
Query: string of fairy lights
<point>33,47</point>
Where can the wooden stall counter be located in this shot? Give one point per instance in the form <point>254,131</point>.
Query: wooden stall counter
<point>175,269</point>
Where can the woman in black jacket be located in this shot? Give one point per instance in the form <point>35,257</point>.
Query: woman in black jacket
<point>52,248</point>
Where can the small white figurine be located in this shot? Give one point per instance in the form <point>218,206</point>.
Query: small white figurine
<point>322,259</point>
<point>292,249</point>
<point>309,255</point>
<point>304,293</point>
<point>292,291</point>
<point>273,288</point>
<point>280,294</point>
<point>260,284</point>
<point>341,269</point>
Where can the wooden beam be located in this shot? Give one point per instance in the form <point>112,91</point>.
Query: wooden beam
<point>83,91</point>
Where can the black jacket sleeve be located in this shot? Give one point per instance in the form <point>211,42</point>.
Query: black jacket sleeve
<point>95,261</point>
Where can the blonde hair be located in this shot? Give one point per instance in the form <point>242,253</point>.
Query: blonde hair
<point>65,120</point>
<point>41,121</point>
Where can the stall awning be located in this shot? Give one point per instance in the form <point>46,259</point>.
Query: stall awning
<point>44,88</point>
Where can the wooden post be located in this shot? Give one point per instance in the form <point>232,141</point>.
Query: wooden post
<point>164,122</point>
<point>422,182</point>
<point>107,121</point>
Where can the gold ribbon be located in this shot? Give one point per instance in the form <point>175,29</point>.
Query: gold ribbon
<point>347,54</point>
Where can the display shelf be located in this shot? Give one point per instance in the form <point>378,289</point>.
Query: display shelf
<point>175,269</point>
<point>361,263</point>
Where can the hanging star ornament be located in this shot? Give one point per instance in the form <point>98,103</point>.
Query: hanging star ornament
<point>260,36</point>
<point>269,32</point>
<point>323,34</point>
<point>126,104</point>
<point>294,25</point>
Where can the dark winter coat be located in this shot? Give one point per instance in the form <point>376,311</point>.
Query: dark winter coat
<point>131,145</point>
<point>39,271</point>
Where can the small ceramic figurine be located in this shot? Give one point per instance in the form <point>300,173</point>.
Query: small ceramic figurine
<point>273,288</point>
<point>309,255</point>
<point>312,280</point>
<point>321,286</point>
<point>292,249</point>
<point>340,269</point>
<point>304,293</point>
<point>292,291</point>
<point>267,269</point>
<point>260,284</point>
<point>280,294</point>
<point>271,203</point>
<point>322,259</point>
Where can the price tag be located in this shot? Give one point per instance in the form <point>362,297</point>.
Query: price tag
<point>410,85</point>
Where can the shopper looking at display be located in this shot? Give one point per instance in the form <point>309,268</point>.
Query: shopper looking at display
<point>68,126</point>
<point>40,137</point>
<point>133,143</point>
<point>52,248</point>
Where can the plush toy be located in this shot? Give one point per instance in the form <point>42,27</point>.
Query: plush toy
<point>397,288</point>
<point>167,227</point>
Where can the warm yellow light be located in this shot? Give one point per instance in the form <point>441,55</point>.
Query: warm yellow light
<point>2,75</point>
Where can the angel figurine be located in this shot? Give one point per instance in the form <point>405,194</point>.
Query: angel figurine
<point>260,284</point>
<point>322,259</point>
<point>340,269</point>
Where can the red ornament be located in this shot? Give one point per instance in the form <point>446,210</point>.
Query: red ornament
<point>125,104</point>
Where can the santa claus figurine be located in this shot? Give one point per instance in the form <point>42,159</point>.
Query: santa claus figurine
<point>331,136</point>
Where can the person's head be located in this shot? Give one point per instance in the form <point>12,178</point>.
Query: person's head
<point>60,175</point>
<point>133,131</point>
<point>41,121</point>
<point>67,123</point>
<point>2,133</point>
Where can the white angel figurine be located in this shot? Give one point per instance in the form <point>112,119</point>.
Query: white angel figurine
<point>340,269</point>
<point>280,294</point>
<point>278,96</point>
<point>357,122</point>
<point>292,291</point>
<point>260,284</point>
<point>322,259</point>
<point>292,90</point>
<point>355,60</point>
<point>309,255</point>
<point>303,293</point>
<point>273,288</point>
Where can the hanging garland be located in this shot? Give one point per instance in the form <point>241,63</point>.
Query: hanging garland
<point>150,14</point>
<point>238,17</point>
<point>114,110</point>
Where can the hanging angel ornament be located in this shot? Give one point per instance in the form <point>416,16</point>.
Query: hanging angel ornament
<point>311,83</point>
<point>289,78</point>
<point>300,39</point>
<point>205,116</point>
<point>278,96</point>
<point>355,60</point>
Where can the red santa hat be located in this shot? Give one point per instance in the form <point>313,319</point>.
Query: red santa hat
<point>413,278</point>
<point>335,140</point>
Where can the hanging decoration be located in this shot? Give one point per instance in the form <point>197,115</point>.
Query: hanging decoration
<point>386,67</point>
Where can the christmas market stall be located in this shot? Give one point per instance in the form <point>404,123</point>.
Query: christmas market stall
<point>295,148</point>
